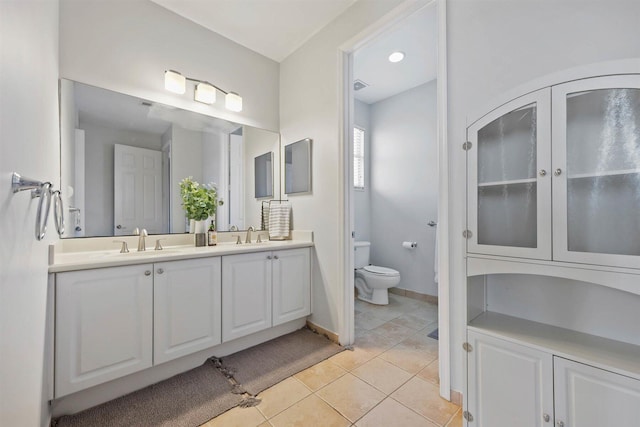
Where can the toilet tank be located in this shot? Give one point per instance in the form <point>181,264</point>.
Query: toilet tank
<point>361,257</point>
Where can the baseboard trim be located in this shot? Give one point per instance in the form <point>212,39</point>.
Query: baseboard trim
<point>415,295</point>
<point>327,333</point>
<point>456,397</point>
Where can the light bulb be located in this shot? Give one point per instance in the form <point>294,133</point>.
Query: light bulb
<point>396,57</point>
<point>175,82</point>
<point>205,93</point>
<point>233,102</point>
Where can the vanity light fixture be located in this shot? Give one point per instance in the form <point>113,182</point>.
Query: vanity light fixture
<point>233,101</point>
<point>396,56</point>
<point>175,82</point>
<point>205,92</point>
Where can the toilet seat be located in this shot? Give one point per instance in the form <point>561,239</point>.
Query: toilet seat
<point>381,271</point>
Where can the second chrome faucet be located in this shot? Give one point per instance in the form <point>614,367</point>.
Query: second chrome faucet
<point>141,239</point>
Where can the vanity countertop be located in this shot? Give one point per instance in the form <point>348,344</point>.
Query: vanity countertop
<point>98,257</point>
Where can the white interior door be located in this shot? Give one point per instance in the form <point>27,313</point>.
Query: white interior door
<point>137,190</point>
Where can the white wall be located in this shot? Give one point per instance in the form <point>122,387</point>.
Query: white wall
<point>29,145</point>
<point>309,106</point>
<point>127,46</point>
<point>496,45</point>
<point>99,155</point>
<point>362,198</point>
<point>404,185</point>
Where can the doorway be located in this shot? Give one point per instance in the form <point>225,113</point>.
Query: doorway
<point>395,176</point>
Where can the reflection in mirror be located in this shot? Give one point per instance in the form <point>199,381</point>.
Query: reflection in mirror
<point>297,167</point>
<point>122,159</point>
<point>264,175</point>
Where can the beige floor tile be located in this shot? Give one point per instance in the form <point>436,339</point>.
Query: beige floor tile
<point>387,312</point>
<point>412,361</point>
<point>421,342</point>
<point>456,421</point>
<point>266,424</point>
<point>351,396</point>
<point>410,320</point>
<point>349,360</point>
<point>430,372</point>
<point>424,398</point>
<point>310,412</point>
<point>279,397</point>
<point>368,320</point>
<point>382,375</point>
<point>376,343</point>
<point>394,330</point>
<point>237,417</point>
<point>320,375</point>
<point>426,312</point>
<point>391,413</point>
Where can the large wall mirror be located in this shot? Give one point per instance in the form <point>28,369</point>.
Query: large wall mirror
<point>122,159</point>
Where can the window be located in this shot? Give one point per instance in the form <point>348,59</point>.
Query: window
<point>358,158</point>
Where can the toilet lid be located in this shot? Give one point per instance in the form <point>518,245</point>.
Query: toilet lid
<point>384,271</point>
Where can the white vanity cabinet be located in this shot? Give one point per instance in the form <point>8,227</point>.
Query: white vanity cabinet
<point>527,377</point>
<point>291,274</point>
<point>264,289</point>
<point>509,384</point>
<point>103,325</point>
<point>187,307</point>
<point>573,147</point>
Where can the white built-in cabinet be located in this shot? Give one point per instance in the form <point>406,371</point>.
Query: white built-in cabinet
<point>555,175</point>
<point>112,322</point>
<point>104,325</point>
<point>553,190</point>
<point>186,307</point>
<point>264,289</point>
<point>514,384</point>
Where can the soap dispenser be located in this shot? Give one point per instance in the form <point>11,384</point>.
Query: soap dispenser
<point>212,234</point>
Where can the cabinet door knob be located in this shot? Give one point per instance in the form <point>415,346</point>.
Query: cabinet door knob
<point>275,257</point>
<point>160,271</point>
<point>268,256</point>
<point>542,172</point>
<point>147,273</point>
<point>119,227</point>
<point>546,418</point>
<point>557,172</point>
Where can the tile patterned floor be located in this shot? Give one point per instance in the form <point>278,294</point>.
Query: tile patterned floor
<point>390,379</point>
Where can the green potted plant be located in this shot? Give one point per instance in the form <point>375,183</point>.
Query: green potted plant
<point>199,202</point>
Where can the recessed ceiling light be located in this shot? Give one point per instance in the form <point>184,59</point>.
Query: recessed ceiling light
<point>396,57</point>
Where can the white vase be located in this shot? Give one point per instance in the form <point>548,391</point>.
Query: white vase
<point>200,226</point>
<point>192,226</point>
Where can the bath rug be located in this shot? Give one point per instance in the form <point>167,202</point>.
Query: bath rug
<point>258,368</point>
<point>434,334</point>
<point>185,400</point>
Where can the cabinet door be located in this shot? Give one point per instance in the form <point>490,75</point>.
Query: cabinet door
<point>509,182</point>
<point>246,294</point>
<point>596,162</point>
<point>591,397</point>
<point>508,384</point>
<point>291,285</point>
<point>187,307</point>
<point>103,325</point>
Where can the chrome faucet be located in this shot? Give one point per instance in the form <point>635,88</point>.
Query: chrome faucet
<point>249,230</point>
<point>141,243</point>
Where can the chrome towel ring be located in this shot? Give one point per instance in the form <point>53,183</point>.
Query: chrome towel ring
<point>58,212</point>
<point>42,190</point>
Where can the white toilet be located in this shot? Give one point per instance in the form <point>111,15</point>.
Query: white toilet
<point>372,281</point>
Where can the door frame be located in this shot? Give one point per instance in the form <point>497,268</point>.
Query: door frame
<point>346,114</point>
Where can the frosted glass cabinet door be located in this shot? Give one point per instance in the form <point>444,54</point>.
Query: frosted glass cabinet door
<point>509,182</point>
<point>596,163</point>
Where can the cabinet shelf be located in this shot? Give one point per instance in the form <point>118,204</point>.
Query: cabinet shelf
<point>605,173</point>
<point>615,356</point>
<point>507,182</point>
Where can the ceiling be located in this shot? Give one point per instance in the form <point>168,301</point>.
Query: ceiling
<point>417,37</point>
<point>273,28</point>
